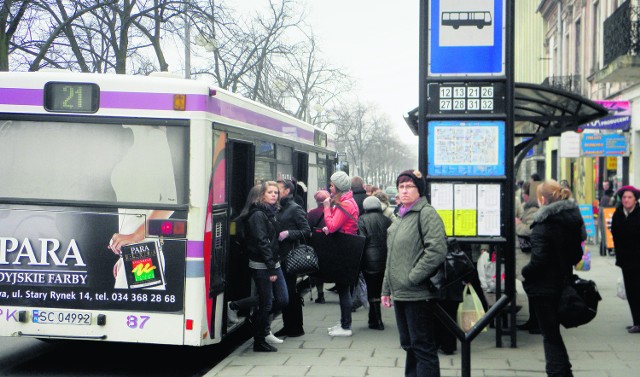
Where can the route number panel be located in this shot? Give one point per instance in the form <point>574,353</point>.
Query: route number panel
<point>466,98</point>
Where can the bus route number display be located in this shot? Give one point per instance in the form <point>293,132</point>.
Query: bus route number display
<point>466,98</point>
<point>71,97</point>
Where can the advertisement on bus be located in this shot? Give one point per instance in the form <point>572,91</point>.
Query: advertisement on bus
<point>77,199</point>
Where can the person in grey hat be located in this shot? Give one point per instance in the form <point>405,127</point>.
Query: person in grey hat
<point>373,224</point>
<point>341,215</point>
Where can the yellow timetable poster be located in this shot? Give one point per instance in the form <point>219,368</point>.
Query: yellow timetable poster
<point>442,201</point>
<point>465,222</point>
<point>465,213</point>
<point>447,218</point>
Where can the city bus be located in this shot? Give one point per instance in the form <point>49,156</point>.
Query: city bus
<point>158,165</point>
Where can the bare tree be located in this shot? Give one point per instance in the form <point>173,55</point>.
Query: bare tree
<point>11,14</point>
<point>93,36</point>
<point>357,126</point>
<point>310,84</point>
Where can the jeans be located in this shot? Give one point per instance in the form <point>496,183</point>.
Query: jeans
<point>555,352</point>
<point>416,325</point>
<point>271,296</point>
<point>344,293</point>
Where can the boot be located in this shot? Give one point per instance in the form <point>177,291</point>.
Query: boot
<point>320,299</point>
<point>261,345</point>
<point>375,315</point>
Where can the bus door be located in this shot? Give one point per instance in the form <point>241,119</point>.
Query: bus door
<point>240,168</point>
<point>301,171</point>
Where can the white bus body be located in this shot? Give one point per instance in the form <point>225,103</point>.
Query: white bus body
<point>89,156</point>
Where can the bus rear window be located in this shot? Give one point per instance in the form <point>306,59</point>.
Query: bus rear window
<point>93,162</point>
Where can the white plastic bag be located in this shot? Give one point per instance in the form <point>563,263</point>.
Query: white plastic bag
<point>470,309</point>
<point>621,292</point>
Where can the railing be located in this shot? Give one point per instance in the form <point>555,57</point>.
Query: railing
<point>572,83</point>
<point>622,33</point>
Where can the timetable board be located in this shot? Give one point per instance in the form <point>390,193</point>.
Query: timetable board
<point>468,210</point>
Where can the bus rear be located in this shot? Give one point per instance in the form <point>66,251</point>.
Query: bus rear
<point>93,211</point>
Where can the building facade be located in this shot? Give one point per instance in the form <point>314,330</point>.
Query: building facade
<point>591,48</point>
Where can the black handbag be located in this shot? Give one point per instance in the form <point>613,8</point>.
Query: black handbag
<point>302,260</point>
<point>578,302</point>
<point>456,266</point>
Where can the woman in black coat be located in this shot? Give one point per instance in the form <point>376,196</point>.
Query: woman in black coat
<point>294,228</point>
<point>556,246</point>
<point>373,225</point>
<point>258,219</point>
<point>625,228</point>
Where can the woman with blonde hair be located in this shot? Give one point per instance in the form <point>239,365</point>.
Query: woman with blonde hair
<point>556,237</point>
<point>259,219</point>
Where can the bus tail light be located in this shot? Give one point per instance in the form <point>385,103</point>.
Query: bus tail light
<point>168,228</point>
<point>188,324</point>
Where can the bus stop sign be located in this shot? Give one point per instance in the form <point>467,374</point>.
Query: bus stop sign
<point>466,38</point>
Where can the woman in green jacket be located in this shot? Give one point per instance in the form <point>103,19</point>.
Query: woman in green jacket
<point>410,263</point>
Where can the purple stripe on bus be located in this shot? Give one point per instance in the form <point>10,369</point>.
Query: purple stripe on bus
<point>136,101</point>
<point>235,112</point>
<point>31,97</point>
<point>195,249</point>
<point>163,101</point>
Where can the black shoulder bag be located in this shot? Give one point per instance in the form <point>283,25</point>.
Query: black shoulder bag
<point>456,266</point>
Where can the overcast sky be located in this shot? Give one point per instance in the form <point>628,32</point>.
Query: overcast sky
<point>376,42</point>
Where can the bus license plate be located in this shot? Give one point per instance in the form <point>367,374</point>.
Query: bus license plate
<point>61,317</point>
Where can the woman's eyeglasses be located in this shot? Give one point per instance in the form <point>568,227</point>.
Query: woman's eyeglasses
<point>406,187</point>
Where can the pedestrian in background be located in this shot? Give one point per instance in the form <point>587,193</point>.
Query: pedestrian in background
<point>358,191</point>
<point>385,205</point>
<point>315,217</point>
<point>293,229</point>
<point>556,246</point>
<point>625,228</point>
<point>523,249</point>
<point>341,215</point>
<point>373,226</point>
<point>410,261</point>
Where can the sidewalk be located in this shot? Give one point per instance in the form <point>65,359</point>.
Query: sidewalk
<point>602,348</point>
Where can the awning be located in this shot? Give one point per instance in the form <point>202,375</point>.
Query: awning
<point>551,111</point>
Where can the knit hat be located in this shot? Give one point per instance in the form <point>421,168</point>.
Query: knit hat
<point>633,190</point>
<point>321,195</point>
<point>417,179</point>
<point>341,181</point>
<point>371,203</point>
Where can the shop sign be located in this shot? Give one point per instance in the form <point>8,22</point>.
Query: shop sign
<point>619,117</point>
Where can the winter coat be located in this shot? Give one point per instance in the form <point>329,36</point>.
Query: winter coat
<point>373,225</point>
<point>411,260</point>
<point>528,211</point>
<point>359,195</point>
<point>556,239</point>
<point>293,218</point>
<point>337,220</point>
<point>626,238</point>
<point>315,218</point>
<point>262,238</point>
